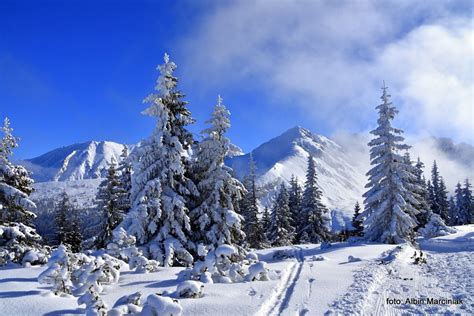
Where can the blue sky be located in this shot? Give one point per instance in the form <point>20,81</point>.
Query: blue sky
<point>74,71</point>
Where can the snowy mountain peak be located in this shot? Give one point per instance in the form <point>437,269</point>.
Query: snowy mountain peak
<point>87,160</point>
<point>286,155</point>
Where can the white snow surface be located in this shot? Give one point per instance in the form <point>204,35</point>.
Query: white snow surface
<point>299,285</point>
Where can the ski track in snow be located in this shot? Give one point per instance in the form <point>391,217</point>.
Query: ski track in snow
<point>281,297</point>
<point>446,275</point>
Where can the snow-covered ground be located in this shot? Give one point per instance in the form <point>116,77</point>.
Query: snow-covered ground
<point>305,280</point>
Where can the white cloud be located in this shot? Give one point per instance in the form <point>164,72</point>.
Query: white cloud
<point>454,160</point>
<point>329,58</point>
<point>432,69</point>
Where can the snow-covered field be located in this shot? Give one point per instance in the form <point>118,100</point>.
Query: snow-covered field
<point>305,280</point>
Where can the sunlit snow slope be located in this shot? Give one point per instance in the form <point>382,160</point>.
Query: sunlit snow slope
<point>286,155</point>
<point>87,160</point>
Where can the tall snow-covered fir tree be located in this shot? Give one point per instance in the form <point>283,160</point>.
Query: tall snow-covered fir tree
<point>249,209</point>
<point>442,200</point>
<point>15,183</point>
<point>294,198</point>
<point>389,213</point>
<point>215,217</point>
<point>124,170</point>
<point>17,234</point>
<point>423,195</point>
<point>74,234</point>
<point>415,184</point>
<point>109,207</point>
<point>438,195</point>
<point>314,218</point>
<point>466,209</point>
<point>266,222</point>
<point>281,231</point>
<point>61,218</point>
<point>453,212</point>
<point>357,223</point>
<point>455,206</point>
<point>160,187</point>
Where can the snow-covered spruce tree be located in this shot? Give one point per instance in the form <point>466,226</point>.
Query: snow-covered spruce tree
<point>73,234</point>
<point>442,200</point>
<point>249,209</point>
<point>465,207</point>
<point>124,170</point>
<point>108,205</point>
<point>423,205</point>
<point>281,231</point>
<point>215,217</point>
<point>314,214</point>
<point>452,211</point>
<point>19,241</point>
<point>389,213</point>
<point>455,205</point>
<point>266,222</point>
<point>434,189</point>
<point>160,187</point>
<point>438,195</point>
<point>15,183</point>
<point>61,222</point>
<point>357,223</point>
<point>415,184</point>
<point>295,194</point>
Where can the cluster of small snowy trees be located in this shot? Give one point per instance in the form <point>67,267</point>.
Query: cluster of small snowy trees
<point>297,216</point>
<point>461,205</point>
<point>397,203</point>
<point>19,241</point>
<point>459,208</point>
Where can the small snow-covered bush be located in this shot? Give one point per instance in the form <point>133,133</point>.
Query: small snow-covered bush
<point>252,257</point>
<point>127,305</point>
<point>157,305</point>
<point>143,265</point>
<point>58,273</point>
<point>99,271</point>
<point>90,279</point>
<point>122,245</point>
<point>353,259</point>
<point>190,289</point>
<point>435,227</point>
<point>20,243</point>
<point>318,258</point>
<point>226,264</point>
<point>257,271</point>
<point>94,304</point>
